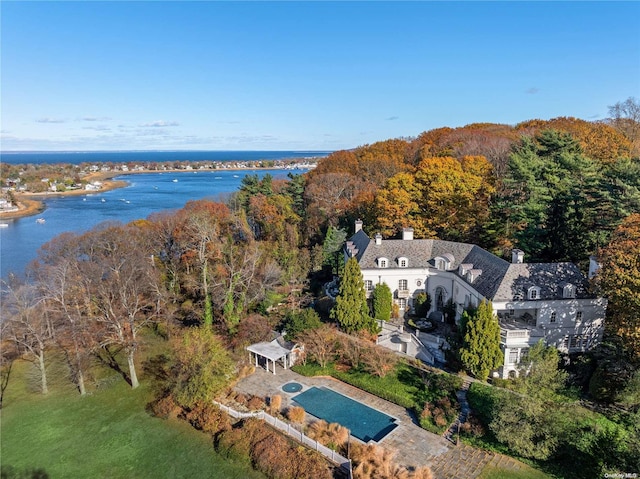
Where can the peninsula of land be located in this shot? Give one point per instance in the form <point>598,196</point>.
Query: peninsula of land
<point>18,202</point>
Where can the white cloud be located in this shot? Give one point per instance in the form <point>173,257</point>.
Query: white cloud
<point>160,124</point>
<point>50,120</point>
<point>95,118</point>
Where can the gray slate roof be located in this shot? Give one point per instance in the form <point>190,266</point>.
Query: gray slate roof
<point>499,280</point>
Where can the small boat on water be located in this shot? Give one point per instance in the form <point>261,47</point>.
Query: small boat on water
<point>4,225</point>
<point>174,180</point>
<point>40,220</point>
<point>236,176</point>
<point>103,200</point>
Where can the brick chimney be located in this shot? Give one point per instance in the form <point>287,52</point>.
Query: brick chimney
<point>358,226</point>
<point>378,239</point>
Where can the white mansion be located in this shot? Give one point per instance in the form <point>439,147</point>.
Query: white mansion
<point>533,301</point>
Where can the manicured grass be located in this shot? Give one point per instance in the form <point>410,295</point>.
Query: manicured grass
<point>106,434</point>
<point>401,387</point>
<point>406,386</point>
<point>493,472</point>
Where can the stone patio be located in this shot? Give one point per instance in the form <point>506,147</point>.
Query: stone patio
<point>414,447</point>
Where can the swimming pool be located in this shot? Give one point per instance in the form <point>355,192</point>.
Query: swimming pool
<point>365,423</point>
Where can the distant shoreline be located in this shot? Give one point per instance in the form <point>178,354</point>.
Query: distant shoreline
<point>30,204</point>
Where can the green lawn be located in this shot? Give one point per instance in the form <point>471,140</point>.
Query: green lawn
<point>493,472</point>
<point>107,434</point>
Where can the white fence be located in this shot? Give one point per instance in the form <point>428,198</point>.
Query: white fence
<point>292,432</point>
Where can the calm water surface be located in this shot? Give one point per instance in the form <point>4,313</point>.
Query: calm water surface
<point>146,194</point>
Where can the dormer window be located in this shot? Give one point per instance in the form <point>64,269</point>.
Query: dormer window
<point>383,263</point>
<point>444,262</point>
<point>569,291</point>
<point>533,292</point>
<point>464,268</point>
<point>403,262</point>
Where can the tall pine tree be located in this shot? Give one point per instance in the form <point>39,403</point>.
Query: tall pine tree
<point>382,301</point>
<point>481,351</point>
<point>351,310</point>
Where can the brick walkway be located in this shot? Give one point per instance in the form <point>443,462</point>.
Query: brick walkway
<point>414,447</point>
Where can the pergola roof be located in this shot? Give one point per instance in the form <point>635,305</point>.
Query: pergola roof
<point>272,350</point>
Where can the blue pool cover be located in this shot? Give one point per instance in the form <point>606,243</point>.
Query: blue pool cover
<point>365,423</point>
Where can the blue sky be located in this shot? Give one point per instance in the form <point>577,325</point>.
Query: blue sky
<point>310,75</point>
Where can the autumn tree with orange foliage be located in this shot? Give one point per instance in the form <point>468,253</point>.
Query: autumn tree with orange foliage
<point>445,198</point>
<point>619,279</point>
<point>599,141</point>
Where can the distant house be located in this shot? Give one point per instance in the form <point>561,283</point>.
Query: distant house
<point>532,301</point>
<point>93,186</point>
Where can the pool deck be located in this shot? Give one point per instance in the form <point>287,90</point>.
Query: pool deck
<point>413,445</point>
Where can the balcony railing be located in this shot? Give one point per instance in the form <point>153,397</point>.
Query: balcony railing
<point>519,336</point>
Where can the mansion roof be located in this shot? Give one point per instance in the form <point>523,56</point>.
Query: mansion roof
<point>494,278</point>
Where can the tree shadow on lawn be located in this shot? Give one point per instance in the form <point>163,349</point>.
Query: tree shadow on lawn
<point>108,358</point>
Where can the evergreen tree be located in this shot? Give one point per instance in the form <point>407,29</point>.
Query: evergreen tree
<point>331,247</point>
<point>381,300</point>
<point>298,321</point>
<point>481,351</point>
<point>422,305</point>
<point>554,198</point>
<point>351,311</point>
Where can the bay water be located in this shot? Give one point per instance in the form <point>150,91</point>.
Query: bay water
<point>145,194</point>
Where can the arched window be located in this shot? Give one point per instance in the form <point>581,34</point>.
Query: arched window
<point>383,263</point>
<point>569,291</point>
<point>533,292</point>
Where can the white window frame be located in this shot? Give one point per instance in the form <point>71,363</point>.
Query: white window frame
<point>368,285</point>
<point>403,284</point>
<point>569,291</point>
<point>533,293</point>
<point>513,356</point>
<point>403,262</point>
<point>383,263</point>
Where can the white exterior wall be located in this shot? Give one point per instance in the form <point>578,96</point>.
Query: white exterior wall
<point>416,280</point>
<point>567,334</point>
<point>563,333</point>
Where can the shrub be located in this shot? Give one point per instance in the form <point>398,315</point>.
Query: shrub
<point>208,418</point>
<point>241,399</point>
<point>256,403</point>
<point>271,453</point>
<point>331,435</point>
<point>269,456</point>
<point>472,427</point>
<point>296,414</point>
<point>373,461</point>
<point>484,400</point>
<point>165,407</point>
<point>275,403</point>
